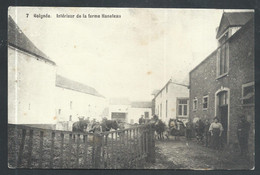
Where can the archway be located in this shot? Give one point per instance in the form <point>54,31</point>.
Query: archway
<point>222,110</point>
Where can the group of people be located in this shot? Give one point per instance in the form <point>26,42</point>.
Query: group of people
<point>85,125</point>
<point>211,134</point>
<point>143,120</point>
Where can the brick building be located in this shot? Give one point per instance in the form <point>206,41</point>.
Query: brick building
<point>223,84</point>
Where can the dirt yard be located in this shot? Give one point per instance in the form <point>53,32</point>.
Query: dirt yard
<point>171,154</point>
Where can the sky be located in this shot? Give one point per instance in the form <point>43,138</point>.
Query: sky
<point>122,57</point>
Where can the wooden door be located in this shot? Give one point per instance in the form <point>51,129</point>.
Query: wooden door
<point>224,120</point>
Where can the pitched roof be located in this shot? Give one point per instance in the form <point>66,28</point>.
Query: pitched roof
<point>243,28</point>
<point>75,86</point>
<point>168,82</point>
<point>19,40</point>
<point>141,104</point>
<point>155,92</point>
<point>233,19</point>
<point>119,101</point>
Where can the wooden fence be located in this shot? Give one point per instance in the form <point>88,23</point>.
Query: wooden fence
<point>30,147</point>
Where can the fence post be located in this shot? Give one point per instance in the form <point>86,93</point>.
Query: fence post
<point>52,149</point>
<point>41,149</point>
<point>77,151</point>
<point>97,151</point>
<point>151,145</point>
<point>61,149</point>
<point>20,154</point>
<point>29,162</point>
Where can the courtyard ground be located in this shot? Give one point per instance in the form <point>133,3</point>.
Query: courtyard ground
<point>172,154</point>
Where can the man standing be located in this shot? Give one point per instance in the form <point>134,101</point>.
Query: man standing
<point>243,128</point>
<point>207,133</point>
<point>189,127</point>
<point>141,120</point>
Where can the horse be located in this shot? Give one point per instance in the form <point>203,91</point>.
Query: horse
<point>176,128</point>
<point>199,130</point>
<point>105,126</point>
<point>153,121</point>
<point>80,126</point>
<point>160,128</point>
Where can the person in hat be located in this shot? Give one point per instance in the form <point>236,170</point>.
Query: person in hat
<point>216,130</point>
<point>189,127</point>
<point>243,128</point>
<point>141,120</point>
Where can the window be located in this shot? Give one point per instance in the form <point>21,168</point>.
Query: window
<point>180,110</point>
<point>205,102</point>
<point>146,115</point>
<point>166,108</point>
<point>222,60</point>
<point>222,98</point>
<point>182,107</point>
<point>167,88</point>
<point>70,119</point>
<point>195,104</point>
<point>29,107</point>
<point>223,39</point>
<point>248,93</point>
<point>70,104</point>
<point>59,112</point>
<point>161,110</point>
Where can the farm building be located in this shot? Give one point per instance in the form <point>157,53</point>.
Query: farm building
<point>76,100</point>
<point>223,84</point>
<point>31,81</point>
<point>39,97</point>
<point>172,101</point>
<point>125,110</point>
<point>139,109</point>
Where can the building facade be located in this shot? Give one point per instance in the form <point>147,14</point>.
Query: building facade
<point>37,96</point>
<point>74,100</point>
<point>172,102</point>
<point>139,109</point>
<point>31,81</point>
<point>126,111</point>
<point>222,85</point>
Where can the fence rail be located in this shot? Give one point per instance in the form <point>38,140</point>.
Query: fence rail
<point>30,147</point>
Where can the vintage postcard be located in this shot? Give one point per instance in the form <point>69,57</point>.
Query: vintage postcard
<point>131,88</point>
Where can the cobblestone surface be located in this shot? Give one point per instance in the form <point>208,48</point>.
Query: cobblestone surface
<point>172,154</point>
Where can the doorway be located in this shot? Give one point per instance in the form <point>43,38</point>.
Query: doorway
<point>223,110</point>
<point>222,113</point>
<point>119,116</point>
